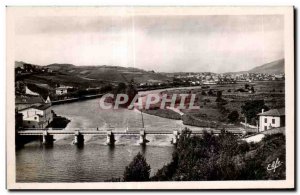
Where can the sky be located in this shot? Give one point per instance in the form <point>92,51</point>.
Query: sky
<point>163,43</point>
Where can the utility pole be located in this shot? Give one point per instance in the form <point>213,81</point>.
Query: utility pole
<point>142,118</point>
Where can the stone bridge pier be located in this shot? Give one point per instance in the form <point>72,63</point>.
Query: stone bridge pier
<point>110,138</point>
<point>78,138</point>
<point>47,139</point>
<point>175,137</point>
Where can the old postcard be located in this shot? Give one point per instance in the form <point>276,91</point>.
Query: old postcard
<point>150,98</point>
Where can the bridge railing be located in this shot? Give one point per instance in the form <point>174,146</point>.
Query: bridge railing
<point>136,131</point>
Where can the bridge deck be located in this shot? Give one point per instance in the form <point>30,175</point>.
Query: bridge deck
<point>116,132</point>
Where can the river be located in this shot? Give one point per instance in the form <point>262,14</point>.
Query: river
<point>95,162</point>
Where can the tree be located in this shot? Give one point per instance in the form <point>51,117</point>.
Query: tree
<point>137,170</point>
<point>121,88</point>
<point>131,92</point>
<point>247,86</point>
<point>106,88</point>
<point>252,107</point>
<point>219,96</point>
<point>210,93</point>
<point>233,117</point>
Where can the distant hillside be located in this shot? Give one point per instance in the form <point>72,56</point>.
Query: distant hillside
<point>57,67</point>
<point>19,64</point>
<point>275,67</point>
<point>103,74</point>
<point>108,73</point>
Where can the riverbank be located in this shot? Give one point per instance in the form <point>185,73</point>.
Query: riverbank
<point>164,113</point>
<point>58,122</point>
<point>185,118</point>
<point>70,100</point>
<point>193,121</point>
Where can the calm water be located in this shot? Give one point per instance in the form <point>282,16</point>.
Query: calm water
<point>92,163</point>
<point>64,162</point>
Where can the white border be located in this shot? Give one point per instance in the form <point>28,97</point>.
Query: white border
<point>289,57</point>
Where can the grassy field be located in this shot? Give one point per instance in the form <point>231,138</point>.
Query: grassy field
<point>51,79</point>
<point>165,113</point>
<point>210,114</point>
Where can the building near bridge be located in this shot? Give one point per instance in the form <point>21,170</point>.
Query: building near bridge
<point>37,116</point>
<point>62,90</point>
<point>33,111</point>
<point>271,119</point>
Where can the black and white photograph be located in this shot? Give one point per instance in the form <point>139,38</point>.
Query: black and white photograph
<point>150,97</point>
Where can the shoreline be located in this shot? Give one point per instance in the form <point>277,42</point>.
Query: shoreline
<point>166,113</point>
<point>70,100</point>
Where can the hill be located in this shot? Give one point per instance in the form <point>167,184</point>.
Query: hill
<point>19,64</point>
<point>274,67</point>
<point>57,67</point>
<point>108,73</point>
<point>93,75</point>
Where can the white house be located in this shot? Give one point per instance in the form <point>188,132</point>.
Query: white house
<point>271,119</point>
<point>62,90</point>
<point>37,116</point>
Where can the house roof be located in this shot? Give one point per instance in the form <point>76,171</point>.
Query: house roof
<point>274,112</point>
<point>64,87</point>
<point>38,107</point>
<point>29,99</point>
<point>43,106</point>
<point>60,88</point>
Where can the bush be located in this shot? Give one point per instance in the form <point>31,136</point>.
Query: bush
<point>207,100</point>
<point>241,90</point>
<point>137,170</point>
<point>223,157</point>
<point>210,92</point>
<point>233,117</point>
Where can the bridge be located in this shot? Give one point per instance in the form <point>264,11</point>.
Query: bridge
<point>48,133</point>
